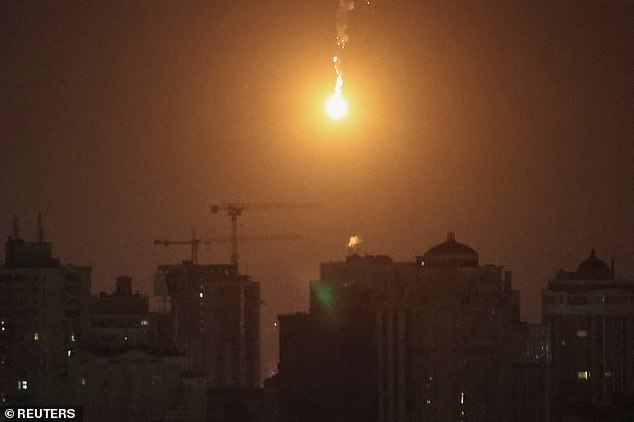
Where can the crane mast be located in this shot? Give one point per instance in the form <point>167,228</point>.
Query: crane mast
<point>235,209</point>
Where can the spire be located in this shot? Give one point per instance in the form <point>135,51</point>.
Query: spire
<point>40,228</point>
<point>451,237</point>
<point>15,232</point>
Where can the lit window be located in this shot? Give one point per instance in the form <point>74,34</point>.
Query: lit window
<point>125,338</point>
<point>69,352</point>
<point>583,375</point>
<point>582,333</point>
<point>36,336</point>
<point>201,294</point>
<point>23,385</point>
<point>145,322</point>
<point>72,337</point>
<point>82,381</point>
<point>462,397</point>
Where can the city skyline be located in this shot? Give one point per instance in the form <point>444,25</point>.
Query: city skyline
<point>269,336</point>
<point>439,337</point>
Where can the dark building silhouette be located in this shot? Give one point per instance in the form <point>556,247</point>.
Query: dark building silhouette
<point>591,318</point>
<point>139,384</point>
<point>328,367</point>
<point>44,307</point>
<point>436,339</point>
<point>216,314</point>
<point>121,320</point>
<point>129,368</point>
<point>197,360</point>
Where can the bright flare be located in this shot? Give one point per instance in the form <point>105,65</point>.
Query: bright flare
<point>336,106</point>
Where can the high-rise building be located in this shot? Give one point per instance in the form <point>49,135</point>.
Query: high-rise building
<point>44,308</point>
<point>216,320</point>
<point>129,369</point>
<point>136,385</point>
<point>121,320</point>
<point>439,338</point>
<point>591,318</point>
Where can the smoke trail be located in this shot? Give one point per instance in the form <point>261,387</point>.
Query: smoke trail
<point>342,21</point>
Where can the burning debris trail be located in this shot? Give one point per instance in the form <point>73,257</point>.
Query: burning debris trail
<point>336,106</point>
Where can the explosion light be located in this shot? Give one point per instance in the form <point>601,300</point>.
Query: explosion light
<point>336,106</point>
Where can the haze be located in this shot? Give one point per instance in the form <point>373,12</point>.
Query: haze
<point>509,123</point>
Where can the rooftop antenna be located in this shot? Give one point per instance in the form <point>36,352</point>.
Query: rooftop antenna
<point>40,228</point>
<point>16,227</point>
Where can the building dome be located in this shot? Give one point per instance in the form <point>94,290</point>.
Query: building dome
<point>451,254</point>
<point>593,269</point>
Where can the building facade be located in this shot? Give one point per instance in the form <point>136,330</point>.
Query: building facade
<point>591,318</point>
<point>216,321</point>
<point>136,385</point>
<point>437,339</point>
<point>121,320</point>
<point>44,307</point>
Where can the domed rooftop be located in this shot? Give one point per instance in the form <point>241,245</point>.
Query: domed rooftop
<point>451,254</point>
<point>593,269</point>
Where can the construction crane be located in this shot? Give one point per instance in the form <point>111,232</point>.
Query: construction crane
<point>235,210</point>
<point>195,242</point>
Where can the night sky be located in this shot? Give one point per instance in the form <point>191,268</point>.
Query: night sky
<point>508,122</point>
